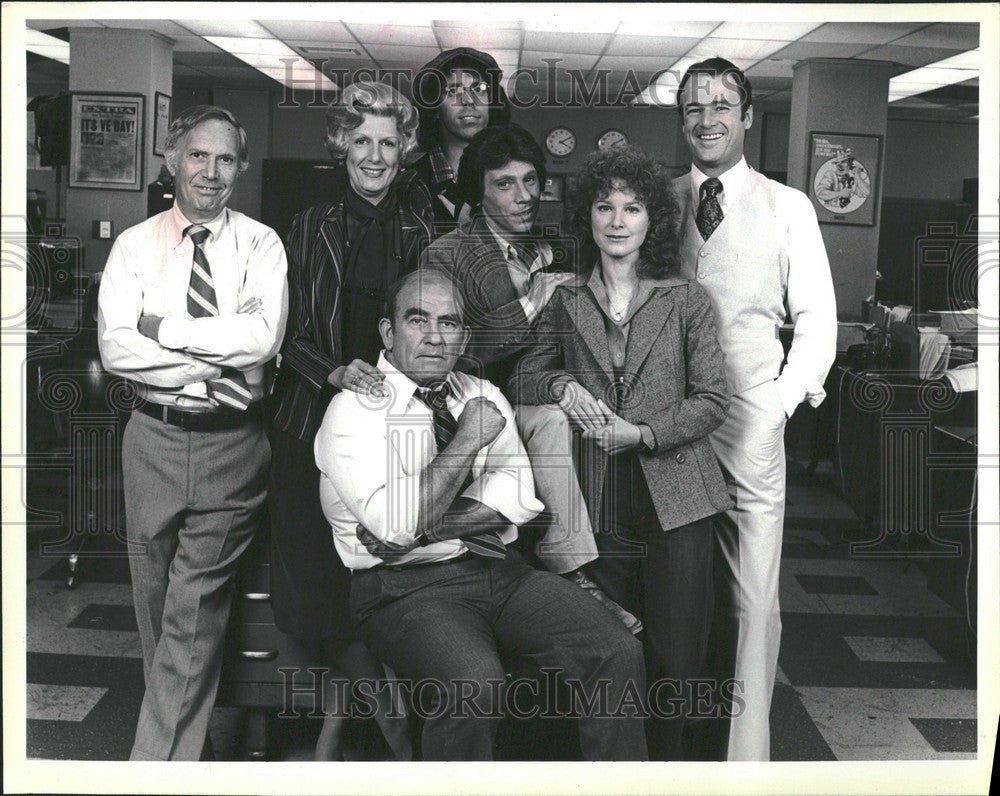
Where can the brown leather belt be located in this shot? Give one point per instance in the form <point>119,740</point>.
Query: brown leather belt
<point>222,420</point>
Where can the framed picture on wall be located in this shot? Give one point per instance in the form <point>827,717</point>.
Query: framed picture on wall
<point>106,141</point>
<point>161,121</point>
<point>843,177</point>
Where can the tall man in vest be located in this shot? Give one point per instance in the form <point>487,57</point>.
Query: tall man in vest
<point>755,246</point>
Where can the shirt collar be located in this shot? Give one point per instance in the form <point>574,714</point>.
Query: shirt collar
<point>402,388</point>
<point>732,180</point>
<point>510,250</point>
<point>179,223</point>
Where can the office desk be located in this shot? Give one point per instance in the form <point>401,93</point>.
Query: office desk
<point>893,459</point>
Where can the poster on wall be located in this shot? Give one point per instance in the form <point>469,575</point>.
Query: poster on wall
<point>161,123</point>
<point>106,141</point>
<point>843,177</point>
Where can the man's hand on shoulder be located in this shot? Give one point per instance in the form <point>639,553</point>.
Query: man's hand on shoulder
<point>481,422</point>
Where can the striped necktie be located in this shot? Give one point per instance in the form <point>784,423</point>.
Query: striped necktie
<point>483,545</point>
<point>230,389</point>
<point>709,210</point>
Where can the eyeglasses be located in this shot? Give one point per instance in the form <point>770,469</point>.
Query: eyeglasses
<point>478,90</point>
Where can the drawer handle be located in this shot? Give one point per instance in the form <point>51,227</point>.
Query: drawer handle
<point>259,655</point>
<point>257,596</point>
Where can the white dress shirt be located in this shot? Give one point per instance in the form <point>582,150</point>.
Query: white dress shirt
<point>811,304</point>
<point>522,273</point>
<point>148,273</point>
<point>372,453</point>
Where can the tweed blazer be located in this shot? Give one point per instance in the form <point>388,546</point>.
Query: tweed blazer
<point>316,261</point>
<point>674,381</point>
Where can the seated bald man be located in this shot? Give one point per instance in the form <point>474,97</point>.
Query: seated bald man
<point>424,482</point>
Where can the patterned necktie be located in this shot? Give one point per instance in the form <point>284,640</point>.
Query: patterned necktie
<point>231,387</point>
<point>527,253</point>
<point>483,545</point>
<point>709,210</point>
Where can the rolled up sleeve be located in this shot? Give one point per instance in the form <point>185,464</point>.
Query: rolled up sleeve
<point>506,484</point>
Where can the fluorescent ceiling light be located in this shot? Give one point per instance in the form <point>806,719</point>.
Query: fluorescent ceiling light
<point>45,45</point>
<point>957,69</point>
<point>276,60</point>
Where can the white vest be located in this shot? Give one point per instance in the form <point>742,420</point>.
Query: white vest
<point>744,268</point>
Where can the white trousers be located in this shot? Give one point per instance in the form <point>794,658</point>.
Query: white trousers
<point>751,449</point>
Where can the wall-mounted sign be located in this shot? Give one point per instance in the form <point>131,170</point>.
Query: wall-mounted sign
<point>106,141</point>
<point>843,177</point>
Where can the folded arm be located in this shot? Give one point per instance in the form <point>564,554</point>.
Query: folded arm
<point>125,351</point>
<point>244,339</point>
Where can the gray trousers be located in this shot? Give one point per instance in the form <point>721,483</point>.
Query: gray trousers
<point>192,503</point>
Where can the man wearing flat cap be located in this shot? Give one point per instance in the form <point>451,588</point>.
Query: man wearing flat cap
<point>458,94</point>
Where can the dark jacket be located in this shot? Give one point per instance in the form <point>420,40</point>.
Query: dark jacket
<point>674,382</point>
<point>316,260</point>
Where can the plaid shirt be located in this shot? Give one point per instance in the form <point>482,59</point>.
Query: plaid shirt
<point>440,166</point>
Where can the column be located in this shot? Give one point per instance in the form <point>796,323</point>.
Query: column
<point>850,97</point>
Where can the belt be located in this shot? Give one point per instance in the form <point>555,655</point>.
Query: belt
<point>417,564</point>
<point>222,420</point>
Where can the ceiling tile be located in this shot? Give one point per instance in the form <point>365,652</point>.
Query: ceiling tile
<point>482,38</point>
<point>909,56</point>
<point>314,30</point>
<point>950,35</point>
<point>655,27</point>
<point>736,50</point>
<point>799,50</point>
<point>636,62</point>
<point>862,32</point>
<point>650,45</point>
<point>588,43</point>
<point>764,31</point>
<point>400,35</point>
<point>418,56</point>
<point>533,59</point>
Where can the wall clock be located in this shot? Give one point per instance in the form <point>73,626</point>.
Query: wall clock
<point>611,138</point>
<point>560,142</point>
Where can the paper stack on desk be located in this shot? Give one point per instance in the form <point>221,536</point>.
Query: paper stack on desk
<point>964,378</point>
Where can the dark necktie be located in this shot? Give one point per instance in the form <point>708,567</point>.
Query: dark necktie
<point>709,210</point>
<point>231,387</point>
<point>483,545</point>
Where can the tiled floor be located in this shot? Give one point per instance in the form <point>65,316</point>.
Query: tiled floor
<point>873,666</point>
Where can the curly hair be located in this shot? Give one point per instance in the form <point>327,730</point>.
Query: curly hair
<point>632,171</point>
<point>366,98</point>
